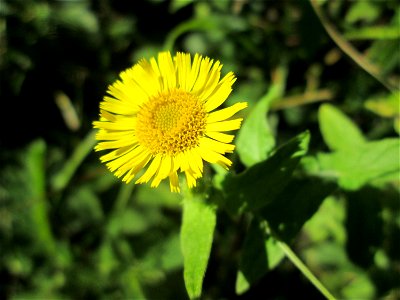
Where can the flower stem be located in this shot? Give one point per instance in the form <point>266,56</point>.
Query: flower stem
<point>303,268</point>
<point>62,178</point>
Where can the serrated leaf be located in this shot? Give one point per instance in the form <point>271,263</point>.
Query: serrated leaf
<point>338,131</point>
<point>197,231</point>
<point>261,183</point>
<point>260,253</point>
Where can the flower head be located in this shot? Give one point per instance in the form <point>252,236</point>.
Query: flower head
<point>160,116</point>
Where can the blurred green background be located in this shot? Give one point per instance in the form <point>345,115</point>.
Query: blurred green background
<point>69,229</point>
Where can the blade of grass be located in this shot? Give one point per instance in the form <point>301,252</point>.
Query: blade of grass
<point>347,48</point>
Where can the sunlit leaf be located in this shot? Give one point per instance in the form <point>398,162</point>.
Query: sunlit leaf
<point>259,254</point>
<point>362,11</point>
<point>371,161</point>
<point>338,131</point>
<point>374,33</point>
<point>197,232</point>
<point>388,106</point>
<point>262,183</point>
<point>255,139</point>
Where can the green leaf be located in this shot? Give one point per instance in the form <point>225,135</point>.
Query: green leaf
<point>35,166</point>
<point>208,23</point>
<point>260,253</point>
<point>374,33</point>
<point>255,139</point>
<point>176,5</point>
<point>338,131</point>
<point>362,11</point>
<point>197,231</point>
<point>327,223</point>
<point>371,161</point>
<point>296,204</point>
<point>77,16</point>
<point>261,183</point>
<point>388,106</point>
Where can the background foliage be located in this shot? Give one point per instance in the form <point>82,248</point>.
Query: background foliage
<point>316,167</point>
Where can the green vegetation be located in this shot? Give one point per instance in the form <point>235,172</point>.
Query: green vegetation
<point>311,206</point>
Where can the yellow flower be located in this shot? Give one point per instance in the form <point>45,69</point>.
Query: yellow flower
<point>162,114</point>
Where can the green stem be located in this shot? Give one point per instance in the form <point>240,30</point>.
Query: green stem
<point>124,194</point>
<point>303,268</point>
<point>121,202</point>
<point>62,178</point>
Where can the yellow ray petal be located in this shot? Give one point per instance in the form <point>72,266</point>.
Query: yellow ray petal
<point>212,82</point>
<point>142,155</point>
<point>194,72</point>
<point>190,179</point>
<point>222,137</point>
<point>125,159</point>
<point>205,66</point>
<point>106,116</point>
<point>140,164</point>
<point>195,162</point>
<point>118,107</point>
<point>119,125</point>
<point>151,170</point>
<point>225,113</point>
<point>220,93</point>
<point>116,153</point>
<point>174,182</point>
<point>143,81</point>
<point>224,125</point>
<point>183,70</point>
<point>214,157</point>
<point>163,171</point>
<point>130,140</point>
<point>216,146</point>
<point>167,70</point>
<point>104,135</point>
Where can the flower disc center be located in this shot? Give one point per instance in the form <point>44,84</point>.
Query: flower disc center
<point>171,122</point>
